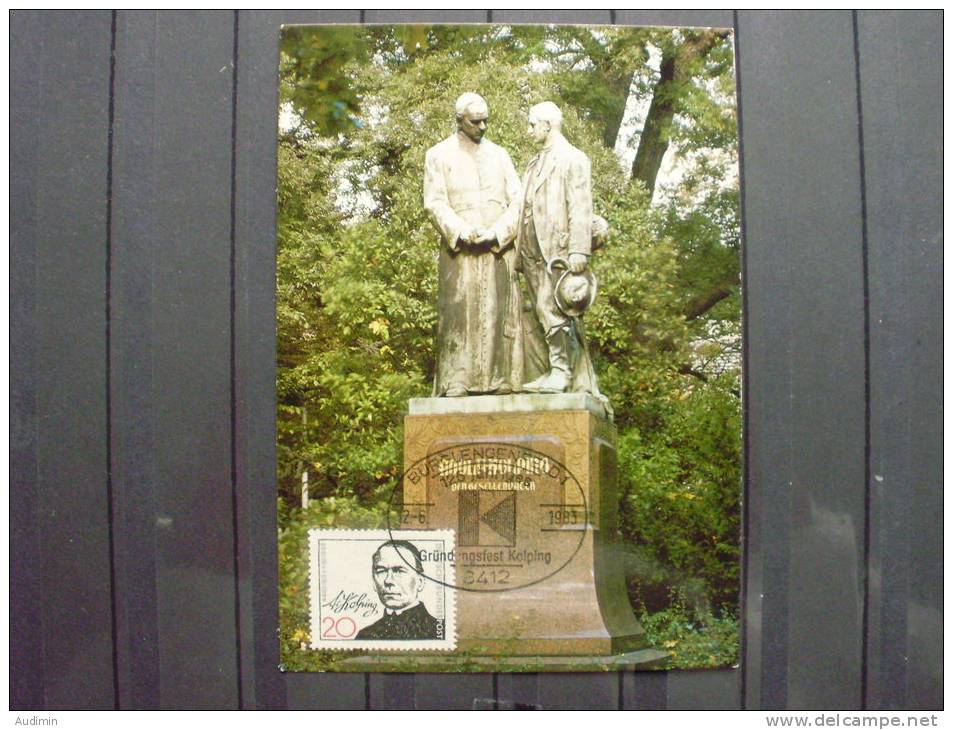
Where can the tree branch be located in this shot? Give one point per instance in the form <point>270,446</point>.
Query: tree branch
<point>703,303</point>
<point>687,369</point>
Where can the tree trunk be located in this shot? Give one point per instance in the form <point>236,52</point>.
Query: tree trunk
<point>620,87</point>
<point>655,134</point>
<point>675,70</point>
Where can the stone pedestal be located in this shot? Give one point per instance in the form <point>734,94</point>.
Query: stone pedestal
<point>528,482</point>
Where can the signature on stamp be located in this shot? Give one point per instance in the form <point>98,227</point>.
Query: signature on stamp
<point>381,589</point>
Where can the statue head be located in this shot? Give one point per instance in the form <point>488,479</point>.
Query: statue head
<point>545,121</point>
<point>473,114</point>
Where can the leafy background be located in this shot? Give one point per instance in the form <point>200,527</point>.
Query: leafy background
<point>357,263</point>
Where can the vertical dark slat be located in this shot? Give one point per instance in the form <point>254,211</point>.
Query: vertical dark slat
<point>191,360</point>
<point>26,107</point>
<point>451,691</point>
<point>393,692</point>
<point>678,18</point>
<point>704,689</point>
<point>442,17</point>
<point>749,536</point>
<point>60,420</point>
<point>135,242</point>
<point>254,350</point>
<point>244,656</point>
<point>579,691</point>
<point>753,504</point>
<point>343,691</point>
<point>644,690</point>
<point>559,17</point>
<point>901,100</point>
<point>806,360</point>
<point>321,17</point>
<point>519,689</point>
<point>311,691</point>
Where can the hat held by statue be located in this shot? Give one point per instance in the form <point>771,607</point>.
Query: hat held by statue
<point>574,293</point>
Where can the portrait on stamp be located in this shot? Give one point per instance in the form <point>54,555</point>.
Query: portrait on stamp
<point>398,573</point>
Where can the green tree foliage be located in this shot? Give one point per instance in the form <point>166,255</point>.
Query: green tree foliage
<point>357,275</point>
<point>314,78</point>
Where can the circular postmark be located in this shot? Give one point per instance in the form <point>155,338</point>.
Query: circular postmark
<point>518,513</point>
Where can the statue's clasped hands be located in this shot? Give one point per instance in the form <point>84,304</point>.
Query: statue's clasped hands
<point>476,236</point>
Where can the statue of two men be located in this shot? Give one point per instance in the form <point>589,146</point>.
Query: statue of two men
<point>496,228</point>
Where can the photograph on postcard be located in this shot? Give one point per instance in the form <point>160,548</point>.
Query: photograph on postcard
<point>509,348</point>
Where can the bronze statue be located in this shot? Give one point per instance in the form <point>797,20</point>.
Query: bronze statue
<point>555,241</point>
<point>471,192</point>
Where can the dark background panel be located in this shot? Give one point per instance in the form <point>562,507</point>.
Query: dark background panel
<point>593,17</point>
<point>312,691</point>
<point>704,689</point>
<point>644,690</point>
<point>135,238</point>
<point>392,691</point>
<point>806,359</point>
<point>518,689</point>
<point>424,16</point>
<point>901,91</point>
<point>765,448</point>
<point>59,435</point>
<point>256,106</point>
<point>828,523</point>
<point>452,691</point>
<point>191,360</point>
<point>26,631</point>
<point>680,18</point>
<point>588,691</point>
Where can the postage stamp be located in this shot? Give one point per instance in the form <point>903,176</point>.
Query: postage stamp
<point>380,589</point>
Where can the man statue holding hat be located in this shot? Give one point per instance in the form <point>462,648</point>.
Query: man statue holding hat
<point>555,236</point>
<point>471,192</point>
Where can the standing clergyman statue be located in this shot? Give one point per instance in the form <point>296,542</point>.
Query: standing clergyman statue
<point>555,242</point>
<point>471,192</point>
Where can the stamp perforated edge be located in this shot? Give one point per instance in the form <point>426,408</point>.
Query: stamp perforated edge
<point>448,643</point>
